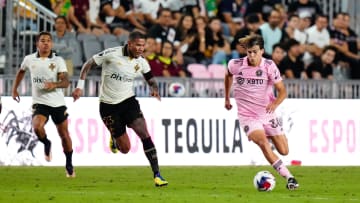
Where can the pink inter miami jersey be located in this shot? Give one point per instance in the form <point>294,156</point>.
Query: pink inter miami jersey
<point>253,86</point>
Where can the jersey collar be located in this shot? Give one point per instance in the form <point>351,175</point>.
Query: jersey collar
<point>125,50</point>
<point>49,56</point>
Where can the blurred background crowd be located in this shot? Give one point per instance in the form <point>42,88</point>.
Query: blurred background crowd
<point>298,35</point>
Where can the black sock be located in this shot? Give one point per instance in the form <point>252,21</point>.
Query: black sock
<point>150,152</point>
<point>68,156</point>
<point>44,140</point>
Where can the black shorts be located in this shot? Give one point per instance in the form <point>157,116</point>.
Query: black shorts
<point>117,116</point>
<point>58,114</point>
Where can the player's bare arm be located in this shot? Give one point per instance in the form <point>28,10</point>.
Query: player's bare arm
<point>227,83</point>
<point>83,73</point>
<point>63,82</point>
<point>154,88</point>
<point>18,78</point>
<point>281,90</point>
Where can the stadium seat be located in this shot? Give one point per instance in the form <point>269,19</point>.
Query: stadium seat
<point>195,68</point>
<point>77,57</point>
<point>217,70</point>
<point>91,47</point>
<point>123,39</point>
<point>83,36</point>
<point>201,85</point>
<point>109,41</point>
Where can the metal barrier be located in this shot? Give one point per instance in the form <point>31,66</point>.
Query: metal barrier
<point>326,89</point>
<point>24,19</point>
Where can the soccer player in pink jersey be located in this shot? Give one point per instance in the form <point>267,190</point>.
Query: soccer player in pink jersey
<point>253,78</point>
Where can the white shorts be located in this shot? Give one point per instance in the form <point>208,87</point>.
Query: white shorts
<point>271,124</point>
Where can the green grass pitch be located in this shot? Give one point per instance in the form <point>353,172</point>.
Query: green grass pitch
<point>186,184</point>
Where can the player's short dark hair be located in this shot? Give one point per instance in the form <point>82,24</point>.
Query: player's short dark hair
<point>41,34</point>
<point>294,15</point>
<point>330,47</point>
<point>61,17</point>
<point>276,45</point>
<point>252,18</point>
<point>252,40</point>
<point>136,35</point>
<point>290,43</point>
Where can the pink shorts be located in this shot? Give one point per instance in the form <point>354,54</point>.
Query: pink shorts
<point>271,124</point>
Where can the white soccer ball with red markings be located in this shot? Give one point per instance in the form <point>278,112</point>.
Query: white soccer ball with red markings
<point>264,181</point>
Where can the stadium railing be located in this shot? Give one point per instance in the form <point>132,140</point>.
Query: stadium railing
<point>324,89</point>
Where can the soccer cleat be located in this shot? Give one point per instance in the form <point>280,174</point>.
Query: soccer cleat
<point>70,173</point>
<point>112,145</point>
<point>159,180</point>
<point>292,184</point>
<point>47,151</point>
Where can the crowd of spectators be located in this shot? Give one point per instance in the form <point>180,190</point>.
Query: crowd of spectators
<point>298,36</point>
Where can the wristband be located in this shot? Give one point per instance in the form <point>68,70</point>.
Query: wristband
<point>80,84</point>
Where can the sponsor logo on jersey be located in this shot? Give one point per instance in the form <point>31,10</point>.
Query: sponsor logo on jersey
<point>39,80</point>
<point>249,81</point>
<point>119,77</point>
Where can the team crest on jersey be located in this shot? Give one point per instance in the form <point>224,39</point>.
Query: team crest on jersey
<point>137,67</point>
<point>258,73</point>
<point>52,66</point>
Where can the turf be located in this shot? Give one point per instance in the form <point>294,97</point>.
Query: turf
<point>186,184</point>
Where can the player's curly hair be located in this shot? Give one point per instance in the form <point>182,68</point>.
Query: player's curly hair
<point>252,40</point>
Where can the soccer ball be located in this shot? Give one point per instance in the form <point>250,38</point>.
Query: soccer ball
<point>176,89</point>
<point>264,181</point>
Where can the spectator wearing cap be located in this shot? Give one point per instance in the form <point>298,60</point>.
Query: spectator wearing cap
<point>252,24</point>
<point>292,67</point>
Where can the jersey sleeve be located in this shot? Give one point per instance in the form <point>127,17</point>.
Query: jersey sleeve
<point>62,65</point>
<point>230,66</point>
<point>25,64</point>
<point>274,73</point>
<point>145,67</point>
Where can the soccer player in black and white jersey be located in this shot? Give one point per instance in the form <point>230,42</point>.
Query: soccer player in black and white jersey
<point>48,77</point>
<point>118,105</point>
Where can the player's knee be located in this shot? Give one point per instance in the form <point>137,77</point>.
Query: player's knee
<point>37,129</point>
<point>283,151</point>
<point>124,148</point>
<point>262,143</point>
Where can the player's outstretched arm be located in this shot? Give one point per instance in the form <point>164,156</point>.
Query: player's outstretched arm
<point>154,89</point>
<point>18,78</point>
<point>83,73</point>
<point>227,86</point>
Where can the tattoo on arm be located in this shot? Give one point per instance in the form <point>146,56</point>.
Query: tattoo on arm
<point>63,80</point>
<point>153,84</point>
